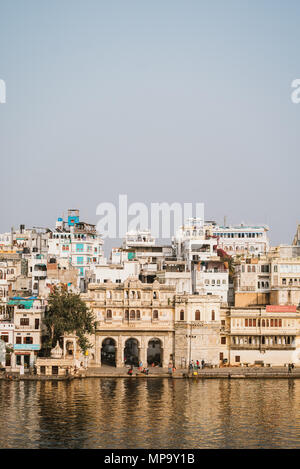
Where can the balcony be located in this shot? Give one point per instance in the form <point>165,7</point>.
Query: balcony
<point>262,347</point>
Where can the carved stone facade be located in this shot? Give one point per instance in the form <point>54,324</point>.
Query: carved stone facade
<point>132,317</point>
<point>151,323</point>
<point>197,329</point>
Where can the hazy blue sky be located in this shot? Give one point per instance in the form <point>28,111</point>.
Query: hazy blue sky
<point>163,100</point>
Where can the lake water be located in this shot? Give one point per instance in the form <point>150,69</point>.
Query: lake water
<point>150,413</point>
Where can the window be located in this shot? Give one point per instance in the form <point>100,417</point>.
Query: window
<point>213,315</point>
<point>197,315</point>
<point>237,359</point>
<point>27,340</point>
<point>55,370</point>
<point>4,338</point>
<point>18,340</point>
<point>126,314</point>
<point>43,370</point>
<point>138,314</point>
<point>36,323</point>
<point>24,322</point>
<point>155,314</point>
<point>221,356</point>
<point>246,322</point>
<point>182,315</point>
<point>132,314</point>
<point>108,314</point>
<point>223,340</point>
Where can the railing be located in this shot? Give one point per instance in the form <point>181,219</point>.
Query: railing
<point>262,347</point>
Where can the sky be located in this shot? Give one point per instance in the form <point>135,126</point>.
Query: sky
<point>161,100</point>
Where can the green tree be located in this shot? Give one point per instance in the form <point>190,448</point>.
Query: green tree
<point>68,313</point>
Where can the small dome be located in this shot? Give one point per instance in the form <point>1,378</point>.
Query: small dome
<point>56,352</point>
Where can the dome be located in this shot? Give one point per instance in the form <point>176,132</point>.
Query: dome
<point>56,352</point>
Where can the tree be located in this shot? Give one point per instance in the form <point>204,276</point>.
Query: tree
<point>68,313</point>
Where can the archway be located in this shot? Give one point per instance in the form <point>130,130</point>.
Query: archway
<point>155,352</point>
<point>70,348</point>
<point>131,352</point>
<point>108,352</point>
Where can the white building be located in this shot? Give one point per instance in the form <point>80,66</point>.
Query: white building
<point>241,239</point>
<point>197,246</point>
<point>28,315</point>
<point>78,242</point>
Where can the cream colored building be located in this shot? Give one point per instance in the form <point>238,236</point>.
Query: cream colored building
<point>135,322</point>
<point>197,329</point>
<point>151,323</point>
<point>264,334</point>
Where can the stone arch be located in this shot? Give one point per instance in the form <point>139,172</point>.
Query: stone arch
<point>108,353</point>
<point>155,352</point>
<point>132,351</point>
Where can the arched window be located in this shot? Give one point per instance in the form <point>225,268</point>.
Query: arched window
<point>138,314</point>
<point>182,315</point>
<point>197,315</point>
<point>132,314</point>
<point>213,315</point>
<point>1,274</point>
<point>138,295</point>
<point>108,314</point>
<point>263,324</point>
<point>155,314</point>
<point>126,314</point>
<point>108,294</point>
<point>133,294</point>
<point>154,295</point>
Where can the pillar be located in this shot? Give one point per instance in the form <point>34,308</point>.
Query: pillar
<point>143,354</point>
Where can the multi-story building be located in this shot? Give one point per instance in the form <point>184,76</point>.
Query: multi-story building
<point>134,322</point>
<point>198,247</point>
<point>150,322</point>
<point>28,314</point>
<point>268,335</point>
<point>270,279</point>
<point>176,273</point>
<point>241,239</point>
<point>78,242</point>
<point>7,328</point>
<point>197,329</point>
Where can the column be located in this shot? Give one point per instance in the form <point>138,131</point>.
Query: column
<point>119,353</point>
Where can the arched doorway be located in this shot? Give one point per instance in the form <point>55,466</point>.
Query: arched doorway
<point>70,349</point>
<point>154,352</point>
<point>108,352</point>
<point>131,352</point>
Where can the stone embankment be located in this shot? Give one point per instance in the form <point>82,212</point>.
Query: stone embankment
<point>210,373</point>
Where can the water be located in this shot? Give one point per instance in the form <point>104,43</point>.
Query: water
<point>150,413</point>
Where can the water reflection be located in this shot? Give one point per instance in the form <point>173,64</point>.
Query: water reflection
<point>150,413</point>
